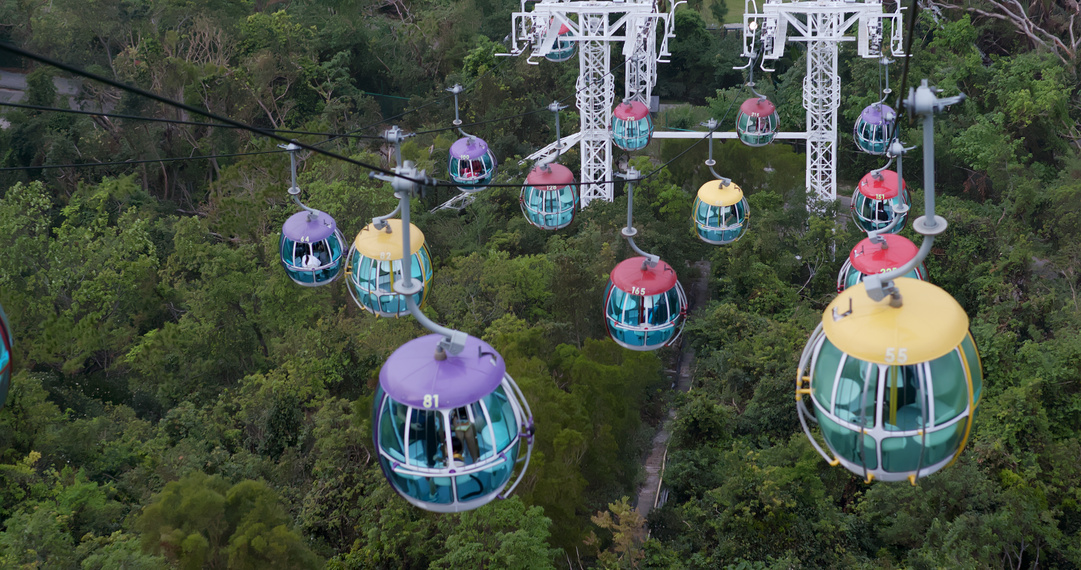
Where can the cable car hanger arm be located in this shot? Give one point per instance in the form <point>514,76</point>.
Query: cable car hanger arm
<point>921,101</point>
<point>629,232</point>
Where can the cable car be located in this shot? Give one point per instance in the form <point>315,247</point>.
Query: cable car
<point>563,48</point>
<point>311,248</point>
<point>874,128</point>
<point>874,199</point>
<point>375,264</point>
<point>757,122</point>
<point>644,306</point>
<point>471,164</point>
<point>871,257</point>
<point>720,212</point>
<point>893,390</point>
<point>549,196</point>
<point>5,358</point>
<point>631,125</point>
<point>450,428</point>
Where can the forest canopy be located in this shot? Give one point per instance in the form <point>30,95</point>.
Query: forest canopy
<point>177,401</point>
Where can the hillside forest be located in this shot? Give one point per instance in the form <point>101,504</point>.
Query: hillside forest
<point>177,402</point>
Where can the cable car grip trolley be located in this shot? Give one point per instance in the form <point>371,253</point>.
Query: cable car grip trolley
<point>448,421</point>
<point>892,373</point>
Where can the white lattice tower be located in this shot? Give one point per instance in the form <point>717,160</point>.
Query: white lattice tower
<point>822,25</point>
<point>640,66</point>
<point>594,25</point>
<point>595,92</point>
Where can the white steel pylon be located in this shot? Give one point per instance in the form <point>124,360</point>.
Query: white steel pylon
<point>822,24</point>
<point>594,25</point>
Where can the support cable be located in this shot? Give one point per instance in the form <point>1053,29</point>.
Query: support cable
<point>154,96</point>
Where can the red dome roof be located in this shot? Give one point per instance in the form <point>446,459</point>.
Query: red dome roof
<point>869,258</point>
<point>757,107</point>
<point>629,277</point>
<point>631,111</point>
<point>550,177</point>
<point>882,187</point>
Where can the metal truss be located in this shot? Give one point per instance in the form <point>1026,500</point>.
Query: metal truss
<point>822,24</point>
<point>594,25</point>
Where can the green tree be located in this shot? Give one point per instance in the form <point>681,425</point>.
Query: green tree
<point>202,522</point>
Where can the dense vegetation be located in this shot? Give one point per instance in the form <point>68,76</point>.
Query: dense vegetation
<point>177,401</point>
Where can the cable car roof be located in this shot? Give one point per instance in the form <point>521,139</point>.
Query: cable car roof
<point>414,377</point>
<point>716,193</point>
<point>629,277</point>
<point>387,246</point>
<point>882,188</point>
<point>631,111</point>
<point>870,258</point>
<point>929,324</point>
<point>299,228</point>
<point>757,107</point>
<point>552,176</point>
<point>878,113</point>
<point>469,148</point>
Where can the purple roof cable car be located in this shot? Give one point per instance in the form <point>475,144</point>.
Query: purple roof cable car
<point>450,432</point>
<point>874,128</point>
<point>311,247</point>
<point>471,164</point>
<point>452,429</point>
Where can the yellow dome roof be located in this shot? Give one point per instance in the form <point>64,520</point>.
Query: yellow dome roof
<point>929,324</point>
<point>716,193</point>
<point>384,245</point>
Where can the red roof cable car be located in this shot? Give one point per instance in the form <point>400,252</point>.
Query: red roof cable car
<point>644,304</point>
<point>550,194</point>
<point>893,383</point>
<point>757,121</point>
<point>471,164</point>
<point>720,210</point>
<point>632,126</point>
<point>880,202</point>
<point>452,429</point>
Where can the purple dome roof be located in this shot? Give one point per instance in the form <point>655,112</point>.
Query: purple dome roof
<point>878,114</point>
<point>299,228</point>
<point>468,148</point>
<point>412,373</point>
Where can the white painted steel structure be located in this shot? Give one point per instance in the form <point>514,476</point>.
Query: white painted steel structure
<point>594,26</point>
<point>822,25</point>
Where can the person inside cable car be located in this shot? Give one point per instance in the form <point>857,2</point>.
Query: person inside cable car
<point>465,434</point>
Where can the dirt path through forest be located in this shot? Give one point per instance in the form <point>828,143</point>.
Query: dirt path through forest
<point>648,493</point>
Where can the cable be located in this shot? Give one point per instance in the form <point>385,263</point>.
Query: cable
<point>169,159</point>
<point>154,96</point>
<point>174,121</point>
